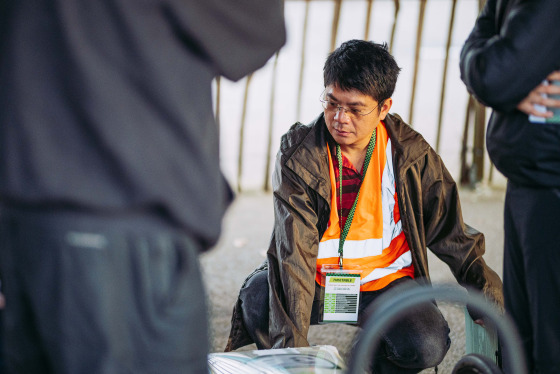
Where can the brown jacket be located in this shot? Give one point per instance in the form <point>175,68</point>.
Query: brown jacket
<point>430,212</point>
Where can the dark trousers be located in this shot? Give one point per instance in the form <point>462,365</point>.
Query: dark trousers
<point>420,341</point>
<point>532,272</point>
<point>97,294</point>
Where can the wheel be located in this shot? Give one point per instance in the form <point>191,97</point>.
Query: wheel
<point>476,364</point>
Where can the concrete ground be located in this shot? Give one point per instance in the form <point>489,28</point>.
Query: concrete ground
<point>243,245</point>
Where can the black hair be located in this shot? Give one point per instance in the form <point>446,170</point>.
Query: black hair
<point>364,66</point>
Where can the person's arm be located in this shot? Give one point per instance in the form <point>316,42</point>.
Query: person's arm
<point>501,66</point>
<point>292,258</point>
<point>460,246</point>
<point>236,37</point>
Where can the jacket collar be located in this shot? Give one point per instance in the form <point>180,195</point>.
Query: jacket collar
<point>408,145</point>
<point>306,150</point>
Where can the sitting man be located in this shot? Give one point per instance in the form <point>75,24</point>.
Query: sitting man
<point>358,189</point>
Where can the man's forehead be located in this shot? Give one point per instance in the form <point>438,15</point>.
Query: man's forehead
<point>349,97</point>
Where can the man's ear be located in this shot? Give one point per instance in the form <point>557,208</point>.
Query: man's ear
<point>387,104</point>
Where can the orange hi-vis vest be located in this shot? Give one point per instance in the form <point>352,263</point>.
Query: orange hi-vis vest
<point>375,242</point>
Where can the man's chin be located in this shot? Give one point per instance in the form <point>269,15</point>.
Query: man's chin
<point>342,137</point>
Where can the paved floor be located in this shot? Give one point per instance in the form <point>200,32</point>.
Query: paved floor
<point>242,247</point>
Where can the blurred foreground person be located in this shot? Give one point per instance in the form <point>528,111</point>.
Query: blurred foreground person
<point>109,176</point>
<point>509,61</point>
<point>359,196</point>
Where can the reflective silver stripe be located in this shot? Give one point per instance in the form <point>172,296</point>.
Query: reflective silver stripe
<point>403,261</point>
<point>390,229</point>
<point>352,248</point>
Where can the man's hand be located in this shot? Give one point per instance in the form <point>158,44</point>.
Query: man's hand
<point>480,322</point>
<point>527,105</point>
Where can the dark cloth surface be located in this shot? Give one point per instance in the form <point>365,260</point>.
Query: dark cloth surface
<point>531,281</point>
<point>430,212</point>
<point>420,341</point>
<point>100,294</point>
<point>513,47</point>
<point>107,105</point>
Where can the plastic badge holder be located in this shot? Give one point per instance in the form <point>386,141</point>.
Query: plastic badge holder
<point>340,298</point>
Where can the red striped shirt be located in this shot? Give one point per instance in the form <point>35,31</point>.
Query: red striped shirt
<point>351,182</point>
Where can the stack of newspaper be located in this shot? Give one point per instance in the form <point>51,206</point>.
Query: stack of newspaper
<point>321,359</point>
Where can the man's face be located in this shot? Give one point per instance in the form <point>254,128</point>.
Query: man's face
<point>351,116</point>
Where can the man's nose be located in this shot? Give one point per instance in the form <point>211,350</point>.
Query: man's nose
<point>340,115</point>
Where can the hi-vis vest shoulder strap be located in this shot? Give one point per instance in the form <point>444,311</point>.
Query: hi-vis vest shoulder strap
<point>375,241</point>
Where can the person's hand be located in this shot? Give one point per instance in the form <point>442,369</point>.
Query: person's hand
<point>535,97</point>
<point>480,322</point>
<point>476,317</point>
<point>493,293</point>
<point>480,319</point>
<point>2,301</point>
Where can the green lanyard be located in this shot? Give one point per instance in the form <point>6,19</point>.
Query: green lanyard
<point>350,217</point>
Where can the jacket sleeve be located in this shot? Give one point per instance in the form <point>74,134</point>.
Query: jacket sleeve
<point>236,37</point>
<point>500,65</point>
<point>460,246</point>
<point>292,258</point>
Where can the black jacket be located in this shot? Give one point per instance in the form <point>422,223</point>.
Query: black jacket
<point>107,105</point>
<point>514,45</point>
<point>430,212</point>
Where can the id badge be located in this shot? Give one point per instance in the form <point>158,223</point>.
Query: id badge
<point>341,294</point>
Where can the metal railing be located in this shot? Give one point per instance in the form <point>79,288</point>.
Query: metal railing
<point>398,302</point>
<point>472,153</point>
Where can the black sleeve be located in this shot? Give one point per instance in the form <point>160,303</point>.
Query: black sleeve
<point>501,62</point>
<point>237,37</point>
<point>292,258</point>
<point>457,244</point>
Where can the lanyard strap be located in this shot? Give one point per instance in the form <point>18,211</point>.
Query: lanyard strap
<point>350,217</point>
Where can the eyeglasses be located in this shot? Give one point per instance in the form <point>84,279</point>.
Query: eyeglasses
<point>333,107</point>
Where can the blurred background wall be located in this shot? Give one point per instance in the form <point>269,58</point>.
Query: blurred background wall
<point>425,36</point>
